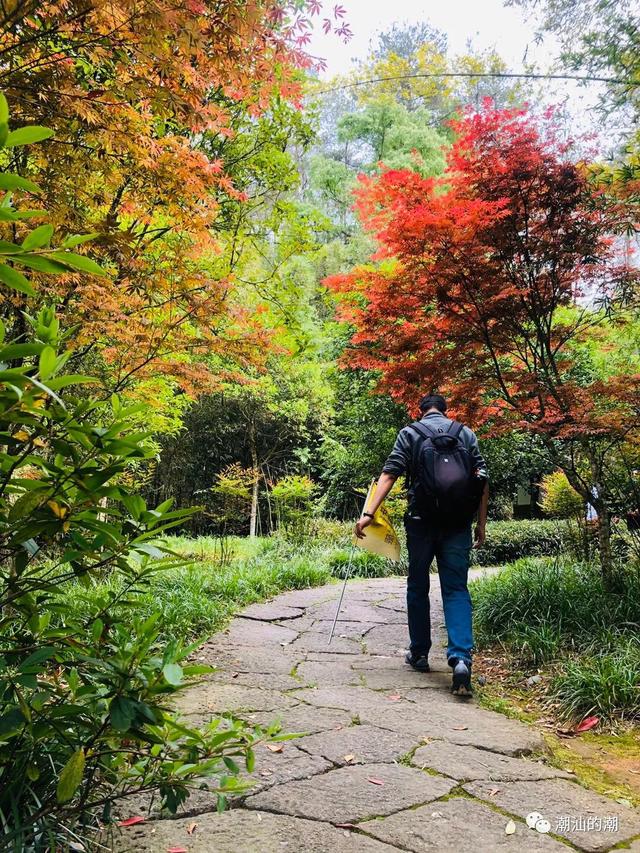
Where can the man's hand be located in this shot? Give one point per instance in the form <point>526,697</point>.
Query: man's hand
<point>480,536</point>
<point>364,521</point>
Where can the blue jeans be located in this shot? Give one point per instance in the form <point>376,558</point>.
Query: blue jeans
<point>451,548</point>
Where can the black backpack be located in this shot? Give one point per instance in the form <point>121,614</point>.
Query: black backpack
<point>446,488</point>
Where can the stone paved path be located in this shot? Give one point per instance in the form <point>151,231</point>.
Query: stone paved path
<point>390,760</point>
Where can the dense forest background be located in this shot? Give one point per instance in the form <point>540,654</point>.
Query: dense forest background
<point>305,413</point>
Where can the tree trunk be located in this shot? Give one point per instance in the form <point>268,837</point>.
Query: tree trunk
<point>604,543</point>
<point>253,518</point>
<point>600,505</point>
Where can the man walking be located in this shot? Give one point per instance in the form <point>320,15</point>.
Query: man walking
<point>447,484</point>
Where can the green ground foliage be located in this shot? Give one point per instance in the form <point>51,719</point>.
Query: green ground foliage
<point>557,613</point>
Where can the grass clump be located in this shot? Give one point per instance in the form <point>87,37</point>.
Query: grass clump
<point>557,611</point>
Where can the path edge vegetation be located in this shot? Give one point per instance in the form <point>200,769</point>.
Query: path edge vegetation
<point>84,700</point>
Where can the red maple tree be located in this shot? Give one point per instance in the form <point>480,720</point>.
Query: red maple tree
<point>486,283</point>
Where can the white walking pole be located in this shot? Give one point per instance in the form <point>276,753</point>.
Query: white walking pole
<point>344,586</point>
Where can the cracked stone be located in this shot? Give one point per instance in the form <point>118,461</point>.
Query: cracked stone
<point>367,744</point>
<point>313,641</point>
<point>250,831</point>
<point>303,718</point>
<point>444,717</point>
<point>387,638</point>
<point>466,763</point>
<point>346,795</point>
<point>271,611</point>
<point>235,658</point>
<point>398,677</point>
<point>454,825</point>
<point>261,680</point>
<point>360,611</point>
<point>350,629</point>
<point>274,768</point>
<point>248,632</point>
<point>359,700</point>
<point>556,799</point>
<point>215,697</point>
<point>331,673</point>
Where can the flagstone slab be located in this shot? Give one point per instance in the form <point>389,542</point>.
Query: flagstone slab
<point>272,611</point>
<point>274,768</point>
<point>249,831</point>
<point>564,804</point>
<point>386,639</point>
<point>303,718</point>
<point>313,641</point>
<point>249,632</point>
<point>444,717</point>
<point>327,674</point>
<point>218,698</point>
<point>358,745</point>
<point>466,763</point>
<point>402,678</point>
<point>347,794</point>
<point>454,825</point>
<point>359,700</point>
<point>261,680</point>
<point>236,658</point>
<point>361,611</point>
<point>351,630</point>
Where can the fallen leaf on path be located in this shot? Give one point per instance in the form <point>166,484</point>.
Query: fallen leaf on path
<point>587,723</point>
<point>266,773</point>
<point>275,747</point>
<point>131,821</point>
<point>376,781</point>
<point>345,825</point>
<point>192,828</point>
<point>494,791</point>
<point>348,758</point>
<point>623,801</point>
<point>510,828</point>
<point>394,697</point>
<point>460,728</point>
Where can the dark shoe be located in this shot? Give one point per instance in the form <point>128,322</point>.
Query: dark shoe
<point>420,662</point>
<point>461,684</point>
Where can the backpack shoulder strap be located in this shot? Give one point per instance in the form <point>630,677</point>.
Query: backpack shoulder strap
<point>423,430</point>
<point>455,428</point>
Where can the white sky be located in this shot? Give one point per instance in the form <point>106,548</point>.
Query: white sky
<point>483,23</point>
<point>486,23</point>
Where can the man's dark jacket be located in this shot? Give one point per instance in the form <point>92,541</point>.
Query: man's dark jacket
<point>402,458</point>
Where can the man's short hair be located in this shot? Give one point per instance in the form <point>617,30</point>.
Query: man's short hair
<point>433,401</point>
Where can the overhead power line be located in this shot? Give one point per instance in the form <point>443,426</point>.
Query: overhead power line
<point>470,74</point>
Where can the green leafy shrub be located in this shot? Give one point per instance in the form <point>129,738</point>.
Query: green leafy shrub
<point>511,540</point>
<point>558,498</point>
<point>293,500</point>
